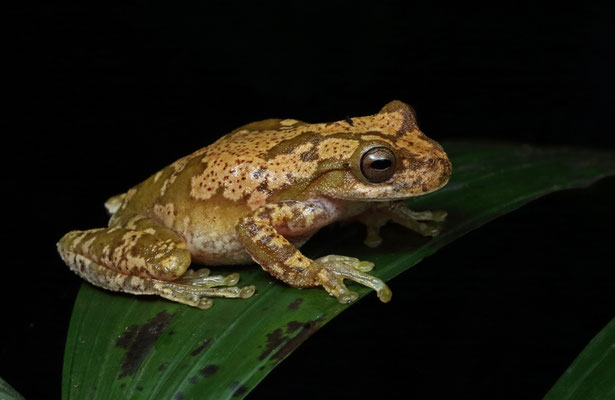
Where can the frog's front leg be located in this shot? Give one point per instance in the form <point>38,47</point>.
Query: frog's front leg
<point>140,256</point>
<point>263,235</point>
<point>398,212</point>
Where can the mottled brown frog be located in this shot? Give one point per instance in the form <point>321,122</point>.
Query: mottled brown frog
<point>259,193</point>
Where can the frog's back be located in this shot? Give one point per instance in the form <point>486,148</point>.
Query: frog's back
<point>255,164</point>
<point>224,165</point>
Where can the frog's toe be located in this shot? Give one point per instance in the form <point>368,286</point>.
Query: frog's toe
<point>196,274</point>
<point>334,284</point>
<point>351,262</point>
<point>204,303</point>
<point>202,278</point>
<point>429,230</point>
<point>334,269</point>
<point>439,215</point>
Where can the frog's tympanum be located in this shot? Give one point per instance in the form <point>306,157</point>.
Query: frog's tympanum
<point>259,193</point>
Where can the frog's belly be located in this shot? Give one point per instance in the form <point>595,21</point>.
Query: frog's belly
<point>216,248</point>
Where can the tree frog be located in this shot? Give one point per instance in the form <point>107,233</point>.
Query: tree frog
<point>258,194</point>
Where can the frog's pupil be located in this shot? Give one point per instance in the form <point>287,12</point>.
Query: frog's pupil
<point>381,164</point>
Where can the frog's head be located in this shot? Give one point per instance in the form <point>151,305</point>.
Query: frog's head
<point>392,158</point>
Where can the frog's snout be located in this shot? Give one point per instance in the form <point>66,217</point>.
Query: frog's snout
<point>435,171</point>
<point>439,164</point>
<point>443,164</point>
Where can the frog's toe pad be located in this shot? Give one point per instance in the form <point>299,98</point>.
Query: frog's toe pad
<point>204,303</point>
<point>430,230</point>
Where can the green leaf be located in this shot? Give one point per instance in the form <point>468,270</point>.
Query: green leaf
<point>592,375</point>
<point>7,392</point>
<point>122,346</point>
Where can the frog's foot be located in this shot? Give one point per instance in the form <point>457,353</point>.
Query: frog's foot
<point>197,287</point>
<point>199,291</point>
<point>202,277</point>
<point>419,227</point>
<point>435,215</point>
<point>399,213</point>
<point>402,215</point>
<point>333,269</point>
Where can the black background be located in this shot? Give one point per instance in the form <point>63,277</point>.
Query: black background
<point>103,96</point>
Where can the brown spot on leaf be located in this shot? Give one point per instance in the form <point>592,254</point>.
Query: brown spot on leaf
<point>293,326</point>
<point>279,337</point>
<point>306,330</point>
<point>209,370</point>
<point>138,340</point>
<point>199,349</point>
<point>238,389</point>
<point>295,304</point>
<point>274,339</point>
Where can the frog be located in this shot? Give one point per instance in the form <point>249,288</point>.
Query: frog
<point>256,195</point>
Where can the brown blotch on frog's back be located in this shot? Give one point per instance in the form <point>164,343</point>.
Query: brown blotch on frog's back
<point>287,146</point>
<point>271,124</point>
<point>309,155</point>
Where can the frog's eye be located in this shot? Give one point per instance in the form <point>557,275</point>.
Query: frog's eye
<point>378,164</point>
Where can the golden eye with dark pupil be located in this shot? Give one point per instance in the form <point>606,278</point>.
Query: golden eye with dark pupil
<point>378,164</point>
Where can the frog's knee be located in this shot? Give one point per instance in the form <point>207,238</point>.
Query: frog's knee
<point>170,265</point>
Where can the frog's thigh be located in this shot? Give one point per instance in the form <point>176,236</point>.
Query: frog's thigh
<point>142,258</point>
<point>151,251</point>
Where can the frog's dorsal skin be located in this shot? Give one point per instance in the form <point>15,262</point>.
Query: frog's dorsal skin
<point>264,189</point>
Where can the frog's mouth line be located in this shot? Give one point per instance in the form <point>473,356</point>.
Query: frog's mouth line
<point>361,194</point>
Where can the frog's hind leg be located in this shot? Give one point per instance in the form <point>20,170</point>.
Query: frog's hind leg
<point>144,257</point>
